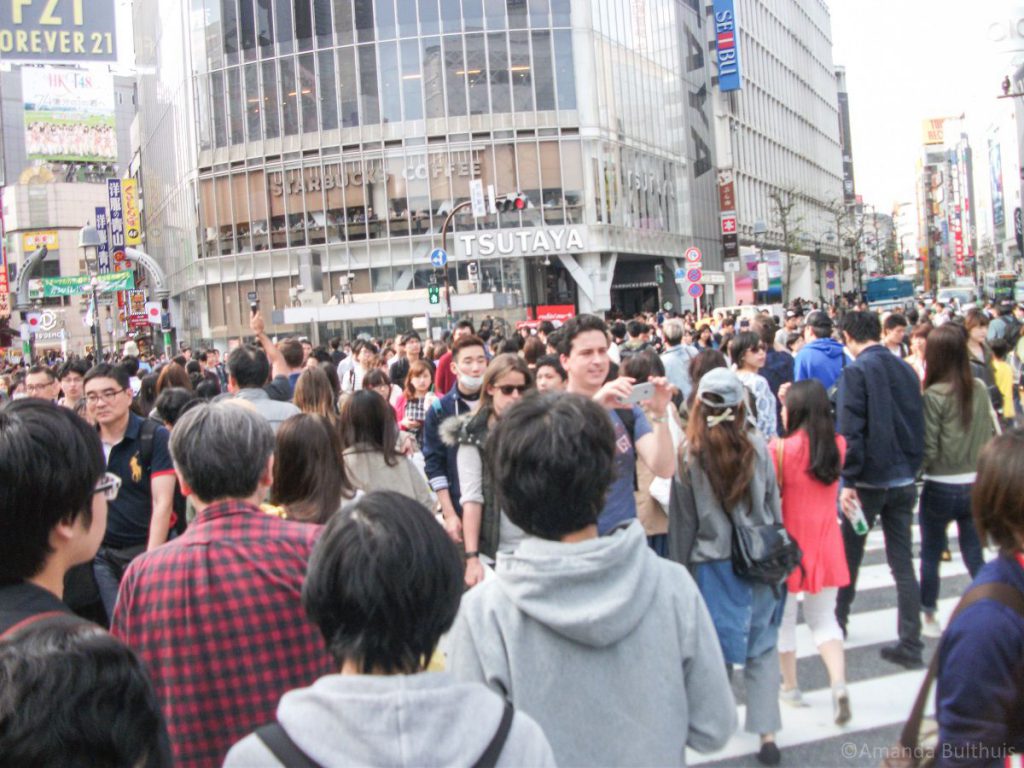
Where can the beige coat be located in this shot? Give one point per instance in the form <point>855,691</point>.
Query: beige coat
<point>369,472</point>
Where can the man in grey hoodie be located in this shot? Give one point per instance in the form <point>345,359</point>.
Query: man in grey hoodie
<point>607,646</point>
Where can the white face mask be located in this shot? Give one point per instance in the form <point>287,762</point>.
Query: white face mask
<point>470,384</point>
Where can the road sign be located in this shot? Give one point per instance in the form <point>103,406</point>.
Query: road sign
<point>732,265</point>
<point>762,277</point>
<point>728,224</point>
<point>434,293</point>
<point>694,275</point>
<point>830,273</point>
<point>693,255</point>
<point>831,285</point>
<point>680,273</point>
<point>659,274</point>
<point>667,306</point>
<point>696,290</point>
<point>476,194</point>
<point>438,257</point>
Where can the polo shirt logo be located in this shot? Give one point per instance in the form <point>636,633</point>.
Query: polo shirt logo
<point>136,468</point>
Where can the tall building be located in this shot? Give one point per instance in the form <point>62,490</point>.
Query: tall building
<point>334,138</point>
<point>779,135</point>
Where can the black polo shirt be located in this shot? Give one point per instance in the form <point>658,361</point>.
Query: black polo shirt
<point>23,600</point>
<point>128,516</point>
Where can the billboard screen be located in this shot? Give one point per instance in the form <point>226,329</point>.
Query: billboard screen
<point>66,31</point>
<point>69,115</point>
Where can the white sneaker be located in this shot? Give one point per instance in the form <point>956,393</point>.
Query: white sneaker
<point>793,697</point>
<point>930,626</point>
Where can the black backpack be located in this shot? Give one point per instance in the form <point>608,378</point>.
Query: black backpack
<point>1012,331</point>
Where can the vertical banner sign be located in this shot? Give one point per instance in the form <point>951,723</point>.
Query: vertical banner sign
<point>5,296</point>
<point>995,167</point>
<point>103,252</point>
<point>115,226</point>
<point>727,46</point>
<point>1018,229</point>
<point>130,206</point>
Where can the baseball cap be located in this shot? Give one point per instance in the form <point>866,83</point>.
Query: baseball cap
<point>724,384</point>
<point>790,314</point>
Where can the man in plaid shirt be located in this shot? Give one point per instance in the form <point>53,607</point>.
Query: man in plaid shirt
<point>216,614</point>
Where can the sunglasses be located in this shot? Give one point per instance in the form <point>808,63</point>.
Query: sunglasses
<point>508,389</point>
<point>109,485</point>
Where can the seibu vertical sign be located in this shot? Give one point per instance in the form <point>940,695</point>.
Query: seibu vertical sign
<point>727,46</point>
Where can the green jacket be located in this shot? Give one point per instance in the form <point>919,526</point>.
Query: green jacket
<point>949,449</point>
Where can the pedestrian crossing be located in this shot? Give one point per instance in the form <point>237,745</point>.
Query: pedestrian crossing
<point>881,693</point>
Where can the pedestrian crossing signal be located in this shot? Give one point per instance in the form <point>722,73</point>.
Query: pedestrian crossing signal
<point>434,294</point>
<point>516,201</point>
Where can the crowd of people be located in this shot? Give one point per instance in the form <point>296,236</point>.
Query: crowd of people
<point>551,548</point>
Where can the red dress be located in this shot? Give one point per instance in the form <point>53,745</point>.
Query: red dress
<point>810,514</point>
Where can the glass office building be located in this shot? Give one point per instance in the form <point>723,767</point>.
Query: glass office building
<point>270,129</point>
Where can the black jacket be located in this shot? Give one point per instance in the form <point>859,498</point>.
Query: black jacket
<point>881,415</point>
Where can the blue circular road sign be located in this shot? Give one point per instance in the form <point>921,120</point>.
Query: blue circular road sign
<point>694,275</point>
<point>438,257</point>
<point>696,290</point>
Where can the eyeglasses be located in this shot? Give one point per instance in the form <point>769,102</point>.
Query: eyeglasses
<point>38,387</point>
<point>508,389</point>
<point>106,396</point>
<point>108,485</point>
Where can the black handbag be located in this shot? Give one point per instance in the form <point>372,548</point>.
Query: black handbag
<point>764,553</point>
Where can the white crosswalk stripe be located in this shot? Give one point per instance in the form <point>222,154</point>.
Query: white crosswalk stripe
<point>881,694</point>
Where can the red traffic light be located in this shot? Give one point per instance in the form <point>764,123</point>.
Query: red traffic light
<point>515,201</point>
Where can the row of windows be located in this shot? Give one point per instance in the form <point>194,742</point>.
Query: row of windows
<point>245,30</point>
<point>435,77</point>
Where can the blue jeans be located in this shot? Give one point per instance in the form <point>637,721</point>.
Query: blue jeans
<point>941,504</point>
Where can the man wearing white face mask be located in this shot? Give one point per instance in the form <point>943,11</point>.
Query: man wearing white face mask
<point>469,360</point>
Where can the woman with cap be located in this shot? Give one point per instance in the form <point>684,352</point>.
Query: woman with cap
<point>727,467</point>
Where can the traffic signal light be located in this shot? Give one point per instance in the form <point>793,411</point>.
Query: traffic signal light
<point>434,294</point>
<point>514,201</point>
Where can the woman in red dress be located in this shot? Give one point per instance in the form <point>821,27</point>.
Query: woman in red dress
<point>808,461</point>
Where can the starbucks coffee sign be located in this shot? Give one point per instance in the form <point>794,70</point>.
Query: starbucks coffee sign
<point>521,242</point>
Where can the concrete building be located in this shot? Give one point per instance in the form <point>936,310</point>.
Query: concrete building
<point>780,136</point>
<point>334,138</point>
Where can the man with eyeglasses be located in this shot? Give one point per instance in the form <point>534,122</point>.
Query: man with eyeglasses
<point>41,383</point>
<point>137,452</point>
<point>53,506</point>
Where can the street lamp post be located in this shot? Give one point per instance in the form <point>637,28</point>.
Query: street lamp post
<point>89,239</point>
<point>760,233</point>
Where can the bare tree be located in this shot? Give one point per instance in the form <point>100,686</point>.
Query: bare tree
<point>789,222</point>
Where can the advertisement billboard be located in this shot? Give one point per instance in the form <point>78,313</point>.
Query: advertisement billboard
<point>65,31</point>
<point>69,115</point>
<point>727,46</point>
<point>995,167</point>
<point>934,131</point>
<point>130,205</point>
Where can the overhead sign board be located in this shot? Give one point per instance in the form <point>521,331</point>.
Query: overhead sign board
<point>30,241</point>
<point>727,46</point>
<point>476,194</point>
<point>78,285</point>
<point>65,31</point>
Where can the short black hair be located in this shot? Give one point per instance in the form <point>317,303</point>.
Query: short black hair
<point>44,369</point>
<point>861,326</point>
<point>1000,348</point>
<point>292,352</point>
<point>552,458</point>
<point>78,365</point>
<point>546,327</point>
<point>634,328</point>
<point>173,402</point>
<point>466,324</point>
<point>108,371</point>
<point>74,695</point>
<point>741,343</point>
<point>574,327</point>
<point>552,361</point>
<point>618,330</point>
<point>248,365</point>
<point>130,365</point>
<point>895,320</point>
<point>41,485</point>
<point>383,584</point>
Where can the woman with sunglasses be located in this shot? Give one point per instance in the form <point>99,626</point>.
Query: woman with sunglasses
<point>485,529</point>
<point>748,355</point>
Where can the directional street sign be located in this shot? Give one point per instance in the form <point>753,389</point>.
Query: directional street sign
<point>696,290</point>
<point>438,257</point>
<point>694,275</point>
<point>680,273</point>
<point>693,255</point>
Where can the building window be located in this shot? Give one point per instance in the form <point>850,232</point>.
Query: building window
<point>271,101</point>
<point>455,75</point>
<point>328,91</point>
<point>235,106</point>
<point>564,73</point>
<point>217,107</point>
<point>348,87</point>
<point>369,111</point>
<point>307,93</point>
<point>412,80</point>
<point>289,97</point>
<point>543,71</point>
<point>390,93</point>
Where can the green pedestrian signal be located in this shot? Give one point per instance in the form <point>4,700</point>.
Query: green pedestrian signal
<point>434,294</point>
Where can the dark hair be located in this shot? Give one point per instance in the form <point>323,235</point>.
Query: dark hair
<point>207,389</point>
<point>725,452</point>
<point>947,360</point>
<point>552,361</point>
<point>545,327</point>
<point>50,462</point>
<point>78,365</point>
<point>741,343</point>
<point>73,695</point>
<point>321,355</point>
<point>997,501</point>
<point>1000,348</point>
<point>383,584</point>
<point>44,369</point>
<point>292,352</point>
<point>642,366</point>
<point>309,472</point>
<point>464,342</point>
<point>808,408</point>
<point>193,367</point>
<point>146,398</point>
<point>314,394</point>
<point>704,361</point>
<point>130,364</point>
<point>894,320</point>
<point>248,366</point>
<point>367,418</point>
<point>921,330</point>
<point>173,402</point>
<point>862,327</point>
<point>533,350</point>
<point>465,324</point>
<point>574,326</point>
<point>172,375</point>
<point>416,367</point>
<point>635,328</point>
<point>108,371</point>
<point>552,457</point>
<point>376,378</point>
<point>498,367</point>
<point>618,329</point>
<point>975,318</point>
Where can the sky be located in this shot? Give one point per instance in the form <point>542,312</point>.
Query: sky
<point>908,60</point>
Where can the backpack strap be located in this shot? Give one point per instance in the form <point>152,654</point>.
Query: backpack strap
<point>36,618</point>
<point>147,434</point>
<point>276,739</point>
<point>1009,596</point>
<point>489,758</point>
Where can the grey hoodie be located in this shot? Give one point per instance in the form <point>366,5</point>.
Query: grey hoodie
<point>607,646</point>
<point>396,720</point>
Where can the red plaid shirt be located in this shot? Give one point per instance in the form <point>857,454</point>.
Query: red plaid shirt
<point>216,616</point>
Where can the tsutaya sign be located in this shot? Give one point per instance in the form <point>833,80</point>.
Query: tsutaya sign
<point>522,242</point>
